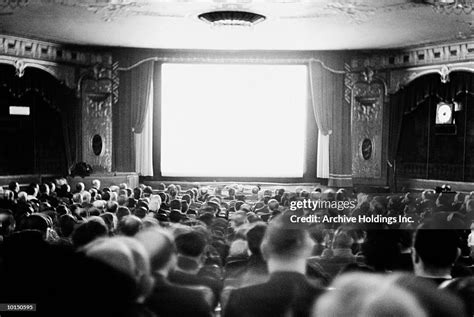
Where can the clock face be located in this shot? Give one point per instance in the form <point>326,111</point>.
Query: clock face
<point>444,113</point>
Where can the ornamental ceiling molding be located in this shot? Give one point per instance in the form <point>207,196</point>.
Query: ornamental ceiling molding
<point>357,11</point>
<point>403,66</point>
<point>444,53</point>
<point>20,47</point>
<point>60,62</point>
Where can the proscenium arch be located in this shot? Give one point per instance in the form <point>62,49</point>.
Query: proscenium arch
<point>64,74</point>
<point>443,71</point>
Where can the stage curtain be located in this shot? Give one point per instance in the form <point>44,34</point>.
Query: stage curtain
<point>144,142</point>
<point>322,169</point>
<point>407,100</point>
<point>321,97</point>
<point>322,115</point>
<point>130,111</point>
<point>397,103</point>
<point>140,94</point>
<point>333,120</point>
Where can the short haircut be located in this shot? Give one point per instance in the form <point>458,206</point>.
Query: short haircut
<point>137,193</point>
<point>191,243</point>
<point>106,195</point>
<point>88,231</point>
<point>130,225</point>
<point>176,216</point>
<point>148,191</point>
<point>111,206</point>
<point>187,198</point>
<point>283,239</point>
<point>140,212</point>
<point>35,221</point>
<point>66,224</point>
<point>122,211</point>
<point>175,204</point>
<point>437,248</point>
<point>255,236</point>
<point>273,204</point>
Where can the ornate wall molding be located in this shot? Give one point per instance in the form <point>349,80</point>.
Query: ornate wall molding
<point>19,47</point>
<point>437,54</point>
<point>367,91</point>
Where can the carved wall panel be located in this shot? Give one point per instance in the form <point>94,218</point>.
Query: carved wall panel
<point>367,116</point>
<point>96,94</point>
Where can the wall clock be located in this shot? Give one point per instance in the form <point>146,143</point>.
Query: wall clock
<point>444,113</point>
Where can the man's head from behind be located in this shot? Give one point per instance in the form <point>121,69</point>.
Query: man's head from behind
<point>255,236</point>
<point>161,248</point>
<point>285,242</point>
<point>130,225</point>
<point>191,244</point>
<point>96,184</point>
<point>88,231</point>
<point>126,255</point>
<point>435,250</point>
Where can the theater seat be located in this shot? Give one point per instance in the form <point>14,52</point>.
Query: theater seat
<point>205,291</point>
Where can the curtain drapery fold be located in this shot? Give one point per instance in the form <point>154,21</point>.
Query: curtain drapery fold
<point>333,121</point>
<point>141,77</point>
<point>322,169</point>
<point>320,97</point>
<point>144,142</point>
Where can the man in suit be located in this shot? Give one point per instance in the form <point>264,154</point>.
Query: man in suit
<point>288,292</point>
<point>168,299</point>
<point>191,247</point>
<point>435,251</point>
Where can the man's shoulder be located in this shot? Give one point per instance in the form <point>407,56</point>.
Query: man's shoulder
<point>174,298</point>
<point>283,282</point>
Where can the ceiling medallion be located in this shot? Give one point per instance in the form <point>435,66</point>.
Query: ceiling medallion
<point>231,18</point>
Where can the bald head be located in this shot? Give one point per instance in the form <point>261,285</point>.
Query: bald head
<point>273,204</point>
<point>160,246</point>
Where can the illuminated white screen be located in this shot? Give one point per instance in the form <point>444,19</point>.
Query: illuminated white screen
<point>233,120</point>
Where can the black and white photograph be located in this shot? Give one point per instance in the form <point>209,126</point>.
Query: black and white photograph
<point>237,158</point>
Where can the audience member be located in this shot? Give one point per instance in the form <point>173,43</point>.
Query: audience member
<point>287,291</point>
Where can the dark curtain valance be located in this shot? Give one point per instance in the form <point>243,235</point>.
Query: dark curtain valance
<point>58,96</point>
<point>35,81</point>
<point>430,85</point>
